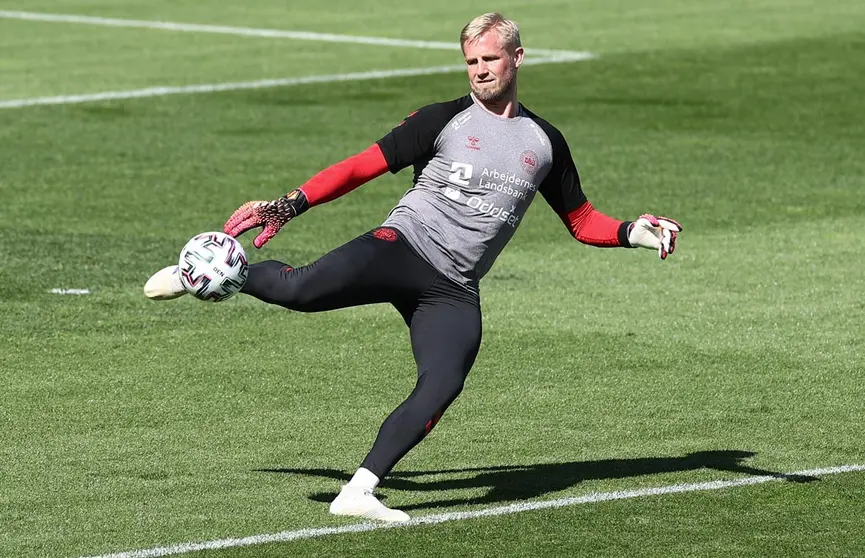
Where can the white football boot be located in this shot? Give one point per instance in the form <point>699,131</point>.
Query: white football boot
<point>360,502</point>
<point>164,284</point>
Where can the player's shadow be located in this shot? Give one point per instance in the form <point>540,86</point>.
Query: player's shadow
<point>522,482</point>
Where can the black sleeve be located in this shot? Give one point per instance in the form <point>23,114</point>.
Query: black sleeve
<point>561,187</point>
<point>413,140</point>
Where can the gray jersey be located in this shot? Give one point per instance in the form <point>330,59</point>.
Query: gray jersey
<point>475,175</point>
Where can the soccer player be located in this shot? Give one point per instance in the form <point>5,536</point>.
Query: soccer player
<point>478,162</point>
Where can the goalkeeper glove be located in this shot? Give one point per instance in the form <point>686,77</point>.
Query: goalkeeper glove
<point>271,215</point>
<point>656,233</point>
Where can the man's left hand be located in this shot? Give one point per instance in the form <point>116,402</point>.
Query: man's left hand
<point>656,233</point>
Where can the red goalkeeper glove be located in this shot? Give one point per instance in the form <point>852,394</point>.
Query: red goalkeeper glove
<point>272,215</point>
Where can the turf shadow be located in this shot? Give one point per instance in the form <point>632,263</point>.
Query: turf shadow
<point>521,482</point>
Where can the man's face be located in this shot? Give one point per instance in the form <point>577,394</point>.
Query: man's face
<point>492,68</point>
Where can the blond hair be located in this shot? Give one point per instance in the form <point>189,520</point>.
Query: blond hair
<point>507,29</point>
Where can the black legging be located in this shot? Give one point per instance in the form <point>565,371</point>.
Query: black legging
<point>444,319</point>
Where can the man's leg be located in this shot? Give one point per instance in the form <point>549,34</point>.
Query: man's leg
<point>445,336</point>
<point>375,267</point>
<point>366,270</point>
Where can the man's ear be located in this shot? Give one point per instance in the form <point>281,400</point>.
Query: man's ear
<point>519,54</point>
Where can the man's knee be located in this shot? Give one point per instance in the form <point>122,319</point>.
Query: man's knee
<point>440,387</point>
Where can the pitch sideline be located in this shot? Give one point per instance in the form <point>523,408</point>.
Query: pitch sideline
<point>545,56</point>
<point>288,536</point>
<point>259,84</point>
<point>254,32</point>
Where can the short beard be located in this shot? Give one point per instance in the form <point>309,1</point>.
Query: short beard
<point>488,96</point>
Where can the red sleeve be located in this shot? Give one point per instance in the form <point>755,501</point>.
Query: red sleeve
<point>343,177</point>
<point>590,226</point>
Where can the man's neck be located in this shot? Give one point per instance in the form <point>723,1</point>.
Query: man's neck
<point>504,108</point>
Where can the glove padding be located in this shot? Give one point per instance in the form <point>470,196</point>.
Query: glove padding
<point>656,233</point>
<point>272,215</point>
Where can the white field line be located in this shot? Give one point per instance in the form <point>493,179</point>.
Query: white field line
<point>67,291</point>
<point>287,536</point>
<point>253,32</point>
<point>259,84</point>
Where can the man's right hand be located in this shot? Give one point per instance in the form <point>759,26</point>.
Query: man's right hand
<point>271,215</point>
<point>655,233</point>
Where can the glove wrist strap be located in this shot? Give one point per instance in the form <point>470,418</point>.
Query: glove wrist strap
<point>296,201</point>
<point>624,231</point>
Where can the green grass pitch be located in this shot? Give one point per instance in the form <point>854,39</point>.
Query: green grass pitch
<point>128,424</point>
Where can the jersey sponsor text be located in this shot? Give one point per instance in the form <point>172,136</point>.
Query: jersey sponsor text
<point>493,210</point>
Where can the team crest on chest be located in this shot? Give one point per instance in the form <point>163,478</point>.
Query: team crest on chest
<point>529,161</point>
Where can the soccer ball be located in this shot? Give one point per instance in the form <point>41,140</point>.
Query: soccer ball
<point>213,266</point>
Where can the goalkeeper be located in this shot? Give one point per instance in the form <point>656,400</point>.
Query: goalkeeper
<point>478,162</point>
